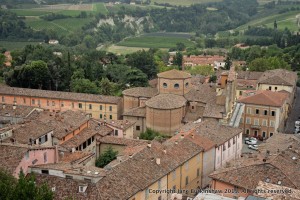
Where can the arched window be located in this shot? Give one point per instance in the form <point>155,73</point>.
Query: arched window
<point>165,85</point>
<point>176,85</point>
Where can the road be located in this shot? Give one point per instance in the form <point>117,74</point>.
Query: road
<point>294,115</point>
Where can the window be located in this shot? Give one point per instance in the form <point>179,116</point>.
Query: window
<point>265,112</point>
<point>89,142</point>
<point>45,157</point>
<point>256,122</point>
<point>48,103</point>
<point>270,87</point>
<point>186,84</point>
<point>264,134</point>
<point>229,145</point>
<point>234,140</point>
<point>248,110</point>
<point>45,171</point>
<point>271,134</point>
<point>264,122</point>
<point>247,131</point>
<point>62,104</point>
<point>275,88</point>
<point>116,133</point>
<point>176,85</point>
<point>3,99</point>
<point>138,128</point>
<point>101,107</point>
<point>186,180</point>
<point>110,108</point>
<point>80,105</point>
<point>24,100</point>
<point>146,193</point>
<point>242,120</point>
<point>255,133</point>
<point>33,101</point>
<point>248,120</point>
<point>110,116</point>
<point>53,103</point>
<point>27,155</point>
<point>174,175</point>
<point>272,123</point>
<point>90,106</point>
<point>84,145</point>
<point>241,92</point>
<point>273,113</point>
<point>72,104</point>
<point>187,165</point>
<point>101,116</point>
<point>69,177</point>
<point>198,172</point>
<point>257,111</point>
<point>224,147</point>
<point>165,85</point>
<point>193,107</point>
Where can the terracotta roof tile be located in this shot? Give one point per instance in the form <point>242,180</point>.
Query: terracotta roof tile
<point>141,92</point>
<point>278,77</point>
<point>166,101</point>
<point>59,95</point>
<point>203,59</point>
<point>174,74</point>
<point>265,97</point>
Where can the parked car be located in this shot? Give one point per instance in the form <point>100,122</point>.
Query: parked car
<point>253,147</point>
<point>251,142</point>
<point>246,139</point>
<point>297,123</point>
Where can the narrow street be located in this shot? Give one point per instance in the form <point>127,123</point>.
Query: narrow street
<point>294,115</point>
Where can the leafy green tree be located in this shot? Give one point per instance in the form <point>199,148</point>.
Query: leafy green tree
<point>84,86</point>
<point>150,134</point>
<point>136,78</point>
<point>36,75</point>
<point>204,70</point>
<point>263,64</point>
<point>106,87</point>
<point>106,157</point>
<point>24,188</point>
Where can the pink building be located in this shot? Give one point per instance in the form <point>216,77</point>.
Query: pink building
<point>14,158</point>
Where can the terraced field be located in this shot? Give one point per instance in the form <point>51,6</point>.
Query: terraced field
<point>157,40</point>
<point>184,2</point>
<point>11,45</point>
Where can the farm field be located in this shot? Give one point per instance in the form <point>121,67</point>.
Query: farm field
<point>157,40</point>
<point>61,26</point>
<point>10,45</point>
<point>65,9</point>
<point>283,20</point>
<point>185,2</point>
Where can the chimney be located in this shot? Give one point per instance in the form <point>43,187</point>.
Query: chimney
<point>130,156</point>
<point>193,136</point>
<point>158,161</point>
<point>149,145</point>
<point>182,136</point>
<point>14,107</point>
<point>165,151</point>
<point>176,142</point>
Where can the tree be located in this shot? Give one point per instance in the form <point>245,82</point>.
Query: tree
<point>275,25</point>
<point>228,63</point>
<point>150,134</point>
<point>263,64</point>
<point>204,70</point>
<point>180,46</point>
<point>106,87</point>
<point>106,157</point>
<point>136,78</point>
<point>36,75</point>
<point>24,188</point>
<point>84,86</point>
<point>178,59</point>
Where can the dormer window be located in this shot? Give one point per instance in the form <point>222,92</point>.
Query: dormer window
<point>165,85</point>
<point>82,188</point>
<point>176,85</point>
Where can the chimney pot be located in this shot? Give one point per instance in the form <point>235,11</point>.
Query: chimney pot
<point>165,151</point>
<point>182,136</point>
<point>158,161</point>
<point>149,145</point>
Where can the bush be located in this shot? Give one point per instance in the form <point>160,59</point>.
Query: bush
<point>105,158</point>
